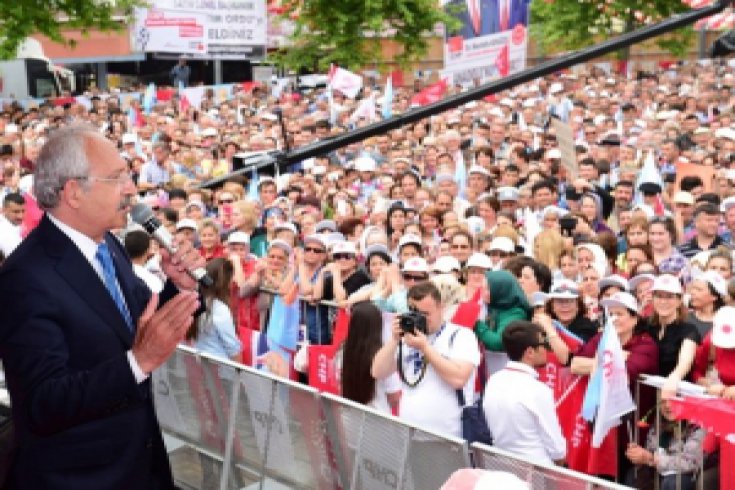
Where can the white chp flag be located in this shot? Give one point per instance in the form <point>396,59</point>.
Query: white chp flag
<point>345,81</point>
<point>615,398</point>
<point>366,110</point>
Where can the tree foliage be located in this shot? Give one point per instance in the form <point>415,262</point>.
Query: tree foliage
<point>22,18</point>
<point>573,24</point>
<point>348,32</point>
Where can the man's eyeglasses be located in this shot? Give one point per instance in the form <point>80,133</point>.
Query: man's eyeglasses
<point>411,277</point>
<point>342,256</point>
<point>314,250</point>
<point>460,246</point>
<point>226,201</point>
<point>120,180</point>
<point>498,253</point>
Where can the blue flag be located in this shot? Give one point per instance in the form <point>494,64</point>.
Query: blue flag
<point>283,325</point>
<point>388,99</point>
<point>149,98</point>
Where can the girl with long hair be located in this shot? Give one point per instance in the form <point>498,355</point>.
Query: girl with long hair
<point>214,332</point>
<point>364,340</point>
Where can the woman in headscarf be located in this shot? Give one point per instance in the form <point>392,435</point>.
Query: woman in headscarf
<point>507,303</point>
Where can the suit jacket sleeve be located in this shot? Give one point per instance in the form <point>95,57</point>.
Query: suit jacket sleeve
<point>54,393</point>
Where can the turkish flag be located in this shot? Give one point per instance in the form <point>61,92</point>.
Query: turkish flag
<point>164,94</point>
<point>502,62</point>
<point>432,93</point>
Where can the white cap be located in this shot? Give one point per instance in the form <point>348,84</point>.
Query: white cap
<point>186,224</point>
<point>316,238</point>
<point>556,87</point>
<point>477,169</point>
<point>564,289</point>
<point>282,244</point>
<point>727,204</point>
<point>196,204</point>
<point>714,279</point>
<point>553,153</point>
<point>539,298</point>
<point>129,138</point>
<point>684,197</point>
<point>344,247</point>
<point>626,300</point>
<point>446,264</point>
<point>285,225</point>
<point>209,132</point>
<point>502,243</point>
<point>475,225</point>
<point>635,281</point>
<point>725,133</point>
<point>409,238</point>
<point>480,260</point>
<point>614,280</point>
<point>507,194</point>
<point>415,264</point>
<point>668,284</point>
<point>365,164</point>
<point>238,237</point>
<point>723,328</point>
<point>11,129</point>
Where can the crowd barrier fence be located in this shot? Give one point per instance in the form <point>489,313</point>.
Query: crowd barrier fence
<point>229,426</point>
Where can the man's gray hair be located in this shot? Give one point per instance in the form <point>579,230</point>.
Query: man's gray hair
<point>62,158</point>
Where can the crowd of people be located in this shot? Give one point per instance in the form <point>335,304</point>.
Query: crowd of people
<point>473,210</point>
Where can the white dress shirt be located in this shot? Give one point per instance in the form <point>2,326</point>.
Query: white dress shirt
<point>88,247</point>
<point>521,414</point>
<point>9,236</point>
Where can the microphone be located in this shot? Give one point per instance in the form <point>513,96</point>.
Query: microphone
<point>143,215</point>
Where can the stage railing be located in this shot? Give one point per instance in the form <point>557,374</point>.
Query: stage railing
<point>229,426</point>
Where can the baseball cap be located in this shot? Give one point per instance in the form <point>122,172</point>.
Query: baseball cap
<point>285,225</point>
<point>479,260</point>
<point>626,300</point>
<point>415,264</point>
<point>477,169</point>
<point>539,298</point>
<point>564,289</point>
<point>502,243</point>
<point>635,281</point>
<point>209,132</point>
<point>718,283</point>
<point>326,224</point>
<point>315,238</point>
<point>344,247</point>
<point>365,164</point>
<point>407,239</point>
<point>186,224</point>
<point>282,244</point>
<point>668,284</point>
<point>723,328</point>
<point>238,237</point>
<point>446,264</point>
<point>129,138</point>
<point>508,194</point>
<point>614,280</point>
<point>684,197</point>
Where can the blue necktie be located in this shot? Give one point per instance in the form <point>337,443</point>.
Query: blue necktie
<point>108,271</point>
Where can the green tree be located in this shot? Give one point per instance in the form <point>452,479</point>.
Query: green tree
<point>22,18</point>
<point>348,32</point>
<point>573,24</point>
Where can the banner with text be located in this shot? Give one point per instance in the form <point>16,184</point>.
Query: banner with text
<point>490,42</point>
<point>232,29</point>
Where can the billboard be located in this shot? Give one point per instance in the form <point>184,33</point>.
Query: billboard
<point>231,29</point>
<point>166,31</point>
<point>490,42</point>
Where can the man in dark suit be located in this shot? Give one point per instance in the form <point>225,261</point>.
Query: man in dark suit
<point>80,333</point>
<point>478,17</point>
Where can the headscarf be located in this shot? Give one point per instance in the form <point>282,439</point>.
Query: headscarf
<point>505,292</point>
<point>600,259</point>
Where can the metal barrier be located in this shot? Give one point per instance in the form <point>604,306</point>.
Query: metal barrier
<point>538,476</point>
<point>228,426</point>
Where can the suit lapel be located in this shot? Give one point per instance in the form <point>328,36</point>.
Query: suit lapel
<point>74,268</point>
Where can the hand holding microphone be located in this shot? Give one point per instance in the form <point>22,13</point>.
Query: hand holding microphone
<point>182,264</point>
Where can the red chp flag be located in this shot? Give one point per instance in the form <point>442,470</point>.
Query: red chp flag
<point>432,93</point>
<point>502,62</point>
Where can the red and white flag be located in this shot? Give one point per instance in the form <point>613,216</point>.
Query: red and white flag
<point>345,81</point>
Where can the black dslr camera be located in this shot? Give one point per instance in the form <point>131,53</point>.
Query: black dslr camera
<point>412,322</point>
